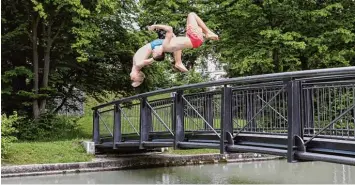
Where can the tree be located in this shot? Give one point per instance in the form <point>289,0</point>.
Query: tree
<point>50,47</point>
<point>272,36</point>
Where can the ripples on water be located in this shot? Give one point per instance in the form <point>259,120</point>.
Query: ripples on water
<point>276,171</point>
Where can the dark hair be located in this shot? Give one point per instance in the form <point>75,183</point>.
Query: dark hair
<point>159,57</point>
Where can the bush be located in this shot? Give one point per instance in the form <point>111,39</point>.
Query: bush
<point>48,128</point>
<point>8,132</point>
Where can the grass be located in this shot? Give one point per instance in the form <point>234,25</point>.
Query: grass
<point>85,122</point>
<point>159,96</point>
<point>192,151</point>
<point>47,152</point>
<point>70,150</point>
<point>60,151</point>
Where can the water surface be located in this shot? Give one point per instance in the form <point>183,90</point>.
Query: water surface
<point>275,171</point>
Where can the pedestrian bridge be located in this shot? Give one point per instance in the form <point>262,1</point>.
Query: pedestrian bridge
<point>304,116</point>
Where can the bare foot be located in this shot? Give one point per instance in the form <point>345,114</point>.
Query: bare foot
<point>212,36</point>
<point>181,67</point>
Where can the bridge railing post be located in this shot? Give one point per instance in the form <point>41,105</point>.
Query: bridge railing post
<point>251,111</point>
<point>96,127</point>
<point>172,112</point>
<point>308,111</point>
<point>208,110</point>
<point>178,118</point>
<point>117,133</point>
<point>226,116</point>
<point>294,116</point>
<point>145,122</point>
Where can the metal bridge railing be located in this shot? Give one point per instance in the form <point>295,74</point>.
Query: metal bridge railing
<point>330,109</point>
<point>260,109</point>
<point>162,120</point>
<point>299,106</point>
<point>130,115</point>
<point>106,123</point>
<point>202,111</point>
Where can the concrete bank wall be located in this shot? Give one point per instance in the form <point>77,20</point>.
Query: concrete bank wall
<point>129,162</point>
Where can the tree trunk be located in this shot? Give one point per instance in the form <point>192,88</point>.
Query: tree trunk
<point>275,56</point>
<point>47,53</point>
<point>45,73</point>
<point>36,111</point>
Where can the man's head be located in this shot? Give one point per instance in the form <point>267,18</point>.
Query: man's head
<point>158,54</point>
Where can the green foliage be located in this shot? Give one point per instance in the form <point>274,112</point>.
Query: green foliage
<point>47,152</point>
<point>271,36</point>
<point>11,94</point>
<point>174,13</point>
<point>190,77</point>
<point>92,44</point>
<point>48,128</point>
<point>95,32</point>
<point>8,132</point>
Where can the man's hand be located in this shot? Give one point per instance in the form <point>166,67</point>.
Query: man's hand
<point>160,27</point>
<point>151,28</point>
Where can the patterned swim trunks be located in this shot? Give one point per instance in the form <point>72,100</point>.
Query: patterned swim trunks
<point>195,35</point>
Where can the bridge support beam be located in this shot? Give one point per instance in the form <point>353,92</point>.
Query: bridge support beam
<point>178,119</point>
<point>226,117</point>
<point>96,127</point>
<point>117,135</point>
<point>294,117</point>
<point>145,122</point>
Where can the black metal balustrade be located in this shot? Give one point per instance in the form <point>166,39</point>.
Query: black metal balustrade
<point>303,115</point>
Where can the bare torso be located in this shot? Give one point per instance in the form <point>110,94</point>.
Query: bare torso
<point>142,54</point>
<point>178,43</point>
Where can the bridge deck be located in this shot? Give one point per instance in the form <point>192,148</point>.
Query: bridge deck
<point>305,115</point>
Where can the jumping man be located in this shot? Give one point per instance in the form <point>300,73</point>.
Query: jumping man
<point>196,30</point>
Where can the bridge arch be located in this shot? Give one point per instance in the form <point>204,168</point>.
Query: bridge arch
<point>302,115</point>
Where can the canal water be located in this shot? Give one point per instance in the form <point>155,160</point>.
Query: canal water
<point>265,172</point>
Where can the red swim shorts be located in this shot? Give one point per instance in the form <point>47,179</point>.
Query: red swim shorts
<point>195,35</point>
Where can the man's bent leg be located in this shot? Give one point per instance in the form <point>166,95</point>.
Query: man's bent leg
<point>194,20</point>
<point>178,62</point>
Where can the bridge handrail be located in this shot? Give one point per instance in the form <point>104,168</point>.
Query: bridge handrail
<point>247,79</point>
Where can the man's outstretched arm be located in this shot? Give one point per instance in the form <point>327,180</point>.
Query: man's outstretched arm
<point>169,35</point>
<point>160,27</point>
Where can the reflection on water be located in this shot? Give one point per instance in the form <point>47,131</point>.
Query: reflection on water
<point>277,171</point>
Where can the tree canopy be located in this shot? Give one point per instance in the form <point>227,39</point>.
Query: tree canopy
<point>275,36</point>
<point>50,48</point>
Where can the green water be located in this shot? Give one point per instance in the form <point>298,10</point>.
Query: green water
<point>265,172</point>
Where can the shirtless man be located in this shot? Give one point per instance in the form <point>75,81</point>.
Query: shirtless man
<point>141,59</point>
<point>196,30</point>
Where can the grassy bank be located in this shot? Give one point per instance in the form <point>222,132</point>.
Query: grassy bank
<point>66,150</point>
<point>63,150</point>
<point>47,152</point>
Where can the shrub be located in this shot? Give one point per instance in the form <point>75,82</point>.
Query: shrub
<point>8,131</point>
<point>48,128</point>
